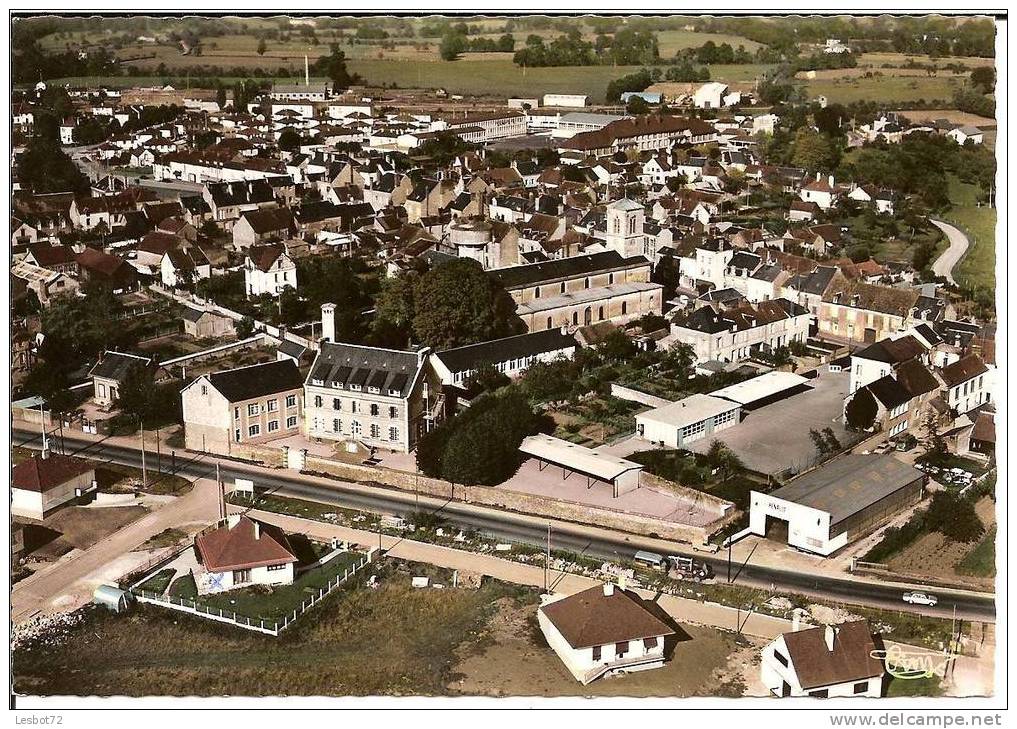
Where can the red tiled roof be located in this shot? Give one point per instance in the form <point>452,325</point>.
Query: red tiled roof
<point>43,474</point>
<point>247,544</point>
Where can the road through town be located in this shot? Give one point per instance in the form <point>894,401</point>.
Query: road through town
<point>509,526</point>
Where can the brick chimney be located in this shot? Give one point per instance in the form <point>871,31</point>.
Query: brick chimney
<point>608,589</point>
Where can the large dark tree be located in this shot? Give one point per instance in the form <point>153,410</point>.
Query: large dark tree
<point>458,303</point>
<point>861,410</point>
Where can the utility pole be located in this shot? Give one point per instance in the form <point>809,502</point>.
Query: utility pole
<point>547,557</point>
<point>729,561</point>
<point>144,471</point>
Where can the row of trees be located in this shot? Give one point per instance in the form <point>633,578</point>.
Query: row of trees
<point>454,43</point>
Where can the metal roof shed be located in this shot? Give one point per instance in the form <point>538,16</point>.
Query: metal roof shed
<point>760,388</point>
<point>113,598</point>
<point>623,475</point>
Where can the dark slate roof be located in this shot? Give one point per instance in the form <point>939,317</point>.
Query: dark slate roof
<point>247,383</point>
<point>535,273</point>
<point>193,314</point>
<point>743,259</point>
<point>849,484</point>
<point>116,365</point>
<point>472,356</point>
<point>813,283</point>
<point>929,334</point>
<point>241,193</point>
<point>893,351</point>
<point>889,392</point>
<point>339,364</point>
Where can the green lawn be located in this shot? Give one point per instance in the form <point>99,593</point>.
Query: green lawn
<point>930,686</point>
<point>158,582</point>
<point>981,561</point>
<point>270,603</point>
<point>886,89</point>
<point>978,267</point>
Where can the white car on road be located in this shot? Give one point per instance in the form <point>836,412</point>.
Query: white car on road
<point>920,598</point>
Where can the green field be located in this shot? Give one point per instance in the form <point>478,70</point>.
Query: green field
<point>930,686</point>
<point>981,561</point>
<point>672,41</point>
<point>884,89</point>
<point>978,267</point>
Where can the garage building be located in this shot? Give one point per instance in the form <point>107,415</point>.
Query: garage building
<point>826,508</point>
<point>688,420</point>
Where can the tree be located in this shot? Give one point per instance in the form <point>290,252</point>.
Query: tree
<point>245,327</point>
<point>954,517</point>
<point>262,47</point>
<point>485,379</point>
<point>457,303</point>
<point>636,106</point>
<point>812,151</point>
<point>550,381</point>
<point>935,450</point>
<point>832,442</point>
<point>860,412</point>
<point>822,447</point>
<point>393,310</point>
<point>290,140</point>
<point>984,79</point>
<point>220,96</point>
<point>452,44</point>
<point>137,396</point>
<point>617,347</point>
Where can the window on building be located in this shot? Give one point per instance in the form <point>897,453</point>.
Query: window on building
<point>375,430</point>
<point>548,322</point>
<point>563,287</point>
<point>781,658</point>
<point>337,404</point>
<point>291,401</point>
<point>236,413</point>
<point>374,410</point>
<point>204,389</point>
<point>276,567</point>
<point>273,405</point>
<point>273,425</point>
<point>236,435</point>
<point>861,687</point>
<point>393,434</point>
<point>291,421</point>
<point>317,401</point>
<point>586,282</point>
<point>575,317</point>
<point>536,292</point>
<point>820,693</point>
<point>596,652</point>
<point>393,412</point>
<point>356,428</point>
<point>241,576</point>
<point>252,409</point>
<point>353,406</point>
<point>625,308</point>
<point>254,430</point>
<point>337,425</point>
<point>610,278</point>
<point>621,649</point>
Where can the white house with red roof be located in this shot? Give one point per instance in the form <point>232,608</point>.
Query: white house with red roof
<point>822,192</point>
<point>46,481</point>
<point>243,552</point>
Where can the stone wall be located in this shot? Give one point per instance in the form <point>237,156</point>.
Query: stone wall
<point>511,500</point>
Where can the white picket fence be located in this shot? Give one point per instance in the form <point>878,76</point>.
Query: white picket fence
<point>260,625</point>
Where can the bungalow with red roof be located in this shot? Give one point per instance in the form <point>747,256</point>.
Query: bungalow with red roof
<point>243,552</point>
<point>268,270</point>
<point>46,481</point>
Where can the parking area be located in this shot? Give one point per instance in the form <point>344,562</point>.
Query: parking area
<point>775,438</point>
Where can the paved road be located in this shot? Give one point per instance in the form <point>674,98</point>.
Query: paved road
<point>61,586</point>
<point>582,539</point>
<point>944,265</point>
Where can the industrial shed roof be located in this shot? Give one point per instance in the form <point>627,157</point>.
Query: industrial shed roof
<point>577,458</point>
<point>759,388</point>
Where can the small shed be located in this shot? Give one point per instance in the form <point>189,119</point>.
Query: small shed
<point>115,599</point>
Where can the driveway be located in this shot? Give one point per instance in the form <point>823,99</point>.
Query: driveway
<point>944,265</point>
<point>68,583</point>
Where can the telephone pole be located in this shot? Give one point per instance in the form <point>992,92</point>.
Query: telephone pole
<point>144,471</point>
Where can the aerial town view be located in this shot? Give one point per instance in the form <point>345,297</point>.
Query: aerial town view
<point>508,356</point>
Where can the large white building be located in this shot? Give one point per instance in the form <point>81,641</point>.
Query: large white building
<point>823,510</point>
<point>688,420</point>
<point>381,398</point>
<point>734,334</point>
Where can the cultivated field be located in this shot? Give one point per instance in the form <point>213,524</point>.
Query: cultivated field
<point>883,89</point>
